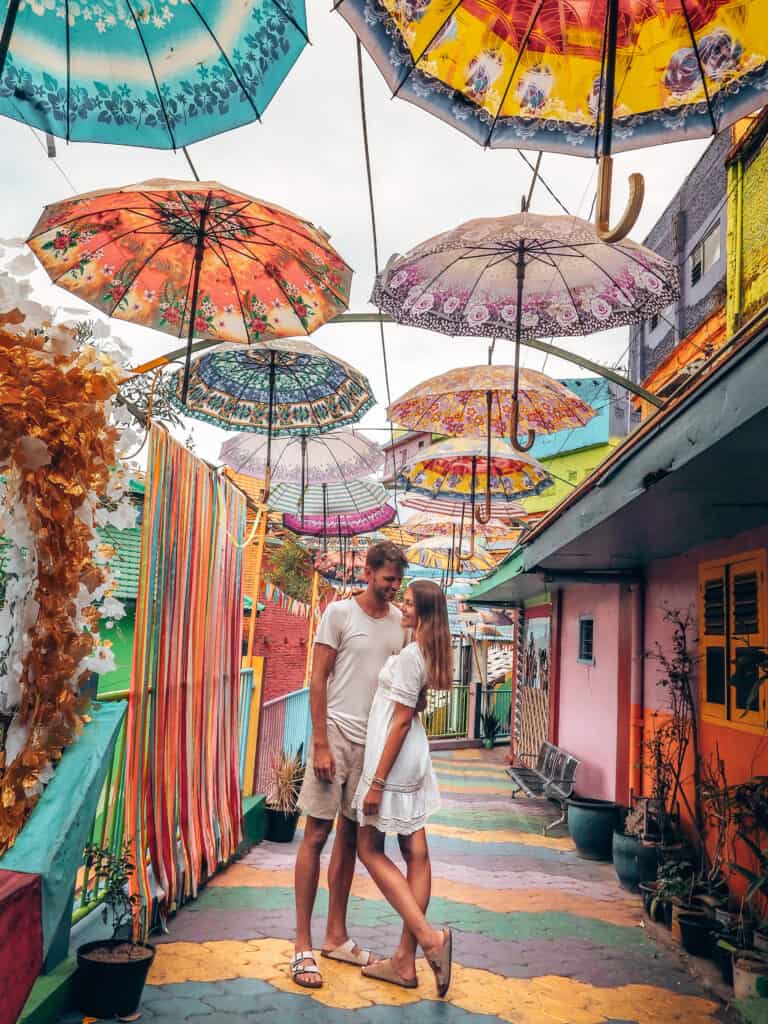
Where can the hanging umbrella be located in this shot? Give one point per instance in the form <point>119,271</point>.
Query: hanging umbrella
<point>451,506</point>
<point>464,467</point>
<point>193,259</point>
<point>341,566</point>
<point>424,525</point>
<point>334,456</point>
<point>586,78</point>
<point>523,276</point>
<point>475,399</point>
<point>154,75</point>
<point>440,553</point>
<point>333,510</point>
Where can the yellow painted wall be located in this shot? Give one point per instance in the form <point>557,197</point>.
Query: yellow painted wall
<point>571,468</point>
<point>747,234</point>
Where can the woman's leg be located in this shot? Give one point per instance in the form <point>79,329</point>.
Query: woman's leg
<point>419,873</point>
<point>396,890</point>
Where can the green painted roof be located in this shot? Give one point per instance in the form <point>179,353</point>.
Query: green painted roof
<point>125,564</point>
<point>511,566</point>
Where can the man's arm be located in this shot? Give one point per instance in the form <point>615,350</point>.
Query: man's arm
<point>323,661</point>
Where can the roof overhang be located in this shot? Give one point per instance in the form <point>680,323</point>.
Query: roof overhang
<point>698,474</point>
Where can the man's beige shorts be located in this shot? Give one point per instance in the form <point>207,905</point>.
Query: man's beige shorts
<point>324,799</point>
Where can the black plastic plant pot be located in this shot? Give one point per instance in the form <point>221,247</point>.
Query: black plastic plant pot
<point>111,987</point>
<point>281,827</point>
<point>591,824</point>
<point>634,861</point>
<point>695,933</point>
<point>721,948</point>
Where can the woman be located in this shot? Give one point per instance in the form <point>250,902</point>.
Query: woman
<point>398,789</point>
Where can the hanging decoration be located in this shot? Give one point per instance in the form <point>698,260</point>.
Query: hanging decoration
<point>184,707</point>
<point>59,456</point>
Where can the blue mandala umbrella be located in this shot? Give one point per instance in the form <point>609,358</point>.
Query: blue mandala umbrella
<point>287,388</point>
<point>145,72</point>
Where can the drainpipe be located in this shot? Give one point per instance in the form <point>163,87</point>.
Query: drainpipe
<point>637,690</point>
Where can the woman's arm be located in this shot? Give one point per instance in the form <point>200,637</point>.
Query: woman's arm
<point>398,730</point>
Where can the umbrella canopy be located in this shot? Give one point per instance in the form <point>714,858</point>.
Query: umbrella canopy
<point>458,468</point>
<point>451,506</point>
<point>344,509</point>
<point>193,259</point>
<point>333,457</point>
<point>438,553</point>
<point>456,403</point>
<point>161,76</point>
<point>282,389</point>
<point>588,78</point>
<point>522,276</point>
<point>341,566</point>
<point>465,281</point>
<point>424,525</point>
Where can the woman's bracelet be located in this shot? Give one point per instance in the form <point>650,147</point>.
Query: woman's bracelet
<point>378,783</point>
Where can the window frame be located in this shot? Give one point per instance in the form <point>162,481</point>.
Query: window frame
<point>700,252</point>
<point>727,713</point>
<point>582,660</point>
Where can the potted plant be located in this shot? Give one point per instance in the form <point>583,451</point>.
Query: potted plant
<point>111,973</point>
<point>592,824</point>
<point>491,727</point>
<point>282,796</point>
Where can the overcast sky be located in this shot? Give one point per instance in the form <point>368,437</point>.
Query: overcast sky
<point>307,155</point>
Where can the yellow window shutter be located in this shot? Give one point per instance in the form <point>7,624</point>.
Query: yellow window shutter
<point>713,619</point>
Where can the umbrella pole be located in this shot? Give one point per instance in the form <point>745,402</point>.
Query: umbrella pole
<point>270,417</point>
<point>303,474</point>
<point>520,446</point>
<point>261,537</point>
<point>605,176</point>
<point>311,627</point>
<point>198,265</point>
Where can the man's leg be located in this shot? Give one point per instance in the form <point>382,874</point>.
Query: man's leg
<point>306,877</point>
<point>341,871</point>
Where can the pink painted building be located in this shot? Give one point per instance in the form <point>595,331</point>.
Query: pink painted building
<point>675,519</point>
<point>406,446</point>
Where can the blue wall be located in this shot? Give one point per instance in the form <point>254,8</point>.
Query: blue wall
<point>594,391</point>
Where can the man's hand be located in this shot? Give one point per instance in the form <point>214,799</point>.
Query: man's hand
<point>421,703</point>
<point>372,801</point>
<point>322,759</point>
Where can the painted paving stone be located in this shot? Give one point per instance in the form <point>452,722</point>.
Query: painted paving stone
<point>540,936</point>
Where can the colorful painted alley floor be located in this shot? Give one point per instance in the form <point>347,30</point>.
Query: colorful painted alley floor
<point>540,936</point>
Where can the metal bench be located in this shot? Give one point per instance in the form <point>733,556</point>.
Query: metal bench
<point>551,779</point>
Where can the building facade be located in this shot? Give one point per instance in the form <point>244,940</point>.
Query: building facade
<point>691,234</point>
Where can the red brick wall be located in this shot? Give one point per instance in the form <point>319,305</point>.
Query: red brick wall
<point>281,639</point>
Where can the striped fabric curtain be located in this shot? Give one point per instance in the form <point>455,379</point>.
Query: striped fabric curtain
<point>183,809</point>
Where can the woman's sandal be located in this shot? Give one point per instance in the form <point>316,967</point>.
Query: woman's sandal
<point>297,969</point>
<point>382,970</point>
<point>441,964</point>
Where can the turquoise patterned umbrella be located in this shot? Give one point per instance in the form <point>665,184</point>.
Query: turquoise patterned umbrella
<point>145,72</point>
<point>281,389</point>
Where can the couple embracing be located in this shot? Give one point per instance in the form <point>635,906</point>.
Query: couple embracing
<point>370,765</point>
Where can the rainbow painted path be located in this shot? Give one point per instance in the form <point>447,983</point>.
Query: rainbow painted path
<point>540,936</point>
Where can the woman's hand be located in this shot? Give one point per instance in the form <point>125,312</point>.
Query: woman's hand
<point>372,801</point>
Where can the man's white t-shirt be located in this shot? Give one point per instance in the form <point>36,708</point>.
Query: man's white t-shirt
<point>362,645</point>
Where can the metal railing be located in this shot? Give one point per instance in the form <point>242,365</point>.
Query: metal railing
<point>497,702</point>
<point>285,726</point>
<point>446,715</point>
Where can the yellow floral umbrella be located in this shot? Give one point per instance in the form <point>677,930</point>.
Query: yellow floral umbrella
<point>584,77</point>
<point>441,553</point>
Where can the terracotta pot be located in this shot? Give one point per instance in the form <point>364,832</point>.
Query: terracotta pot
<point>750,976</point>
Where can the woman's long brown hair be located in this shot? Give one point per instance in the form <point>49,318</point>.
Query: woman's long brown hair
<point>434,633</point>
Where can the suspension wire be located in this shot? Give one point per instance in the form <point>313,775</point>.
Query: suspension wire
<point>375,236</point>
<point>551,191</point>
<point>53,159</point>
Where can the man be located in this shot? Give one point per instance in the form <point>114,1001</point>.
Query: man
<point>354,639</point>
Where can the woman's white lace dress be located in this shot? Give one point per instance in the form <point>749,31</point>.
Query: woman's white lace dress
<point>411,793</point>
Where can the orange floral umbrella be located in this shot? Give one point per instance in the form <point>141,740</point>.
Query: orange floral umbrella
<point>193,259</point>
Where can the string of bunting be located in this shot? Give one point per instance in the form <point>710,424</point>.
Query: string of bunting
<point>282,600</point>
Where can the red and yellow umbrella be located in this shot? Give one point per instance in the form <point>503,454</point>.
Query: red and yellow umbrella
<point>193,259</point>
